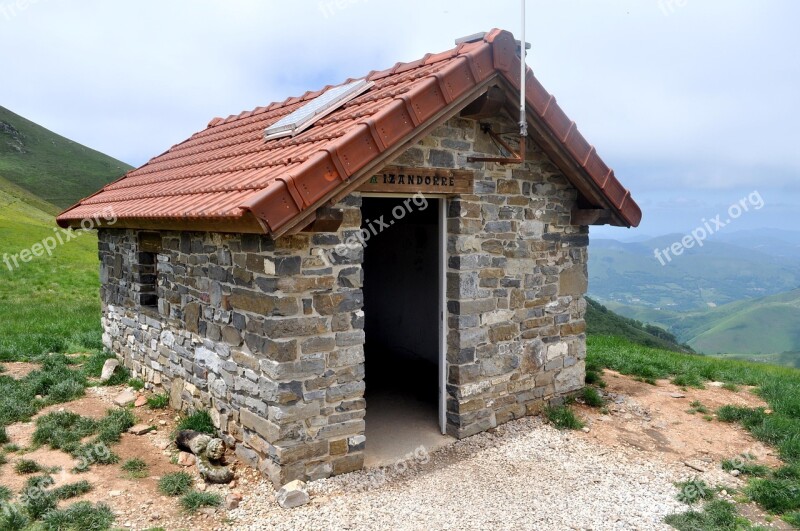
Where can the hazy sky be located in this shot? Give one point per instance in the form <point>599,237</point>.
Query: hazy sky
<point>695,103</point>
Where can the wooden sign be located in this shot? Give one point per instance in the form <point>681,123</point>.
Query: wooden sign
<point>398,180</point>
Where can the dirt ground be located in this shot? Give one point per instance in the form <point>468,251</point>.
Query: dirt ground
<point>137,503</point>
<point>652,420</point>
<point>18,369</point>
<point>656,419</point>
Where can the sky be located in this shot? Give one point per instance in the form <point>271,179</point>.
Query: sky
<point>694,103</point>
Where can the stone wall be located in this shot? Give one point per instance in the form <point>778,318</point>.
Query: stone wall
<point>268,335</point>
<point>516,277</point>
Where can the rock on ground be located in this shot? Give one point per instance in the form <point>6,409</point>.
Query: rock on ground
<point>293,494</point>
<point>109,367</point>
<point>125,398</point>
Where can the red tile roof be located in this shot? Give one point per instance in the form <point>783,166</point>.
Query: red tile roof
<point>228,176</point>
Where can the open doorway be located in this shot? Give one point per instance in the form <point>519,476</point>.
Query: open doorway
<point>402,327</point>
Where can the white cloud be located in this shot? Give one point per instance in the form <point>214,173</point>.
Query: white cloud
<point>704,98</point>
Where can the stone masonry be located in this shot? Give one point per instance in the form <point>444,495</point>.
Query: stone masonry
<point>268,335</point>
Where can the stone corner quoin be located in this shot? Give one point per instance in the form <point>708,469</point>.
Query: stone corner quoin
<point>268,335</point>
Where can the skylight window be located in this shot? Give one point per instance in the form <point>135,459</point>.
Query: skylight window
<point>305,116</point>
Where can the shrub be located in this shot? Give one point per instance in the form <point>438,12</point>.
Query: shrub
<point>81,515</point>
<point>198,421</point>
<point>717,515</point>
<point>12,518</point>
<point>27,466</point>
<point>563,417</point>
<point>72,490</point>
<point>66,391</point>
<point>38,503</point>
<point>693,490</point>
<point>688,380</point>
<point>591,397</point>
<point>63,430</point>
<point>11,448</point>
<point>175,483</point>
<point>776,495</point>
<point>38,482</point>
<point>3,435</point>
<point>5,493</point>
<point>114,424</point>
<point>159,401</point>
<point>136,468</point>
<point>697,407</point>
<point>745,467</point>
<point>194,500</point>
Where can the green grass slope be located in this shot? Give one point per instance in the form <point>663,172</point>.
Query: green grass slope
<point>763,326</point>
<point>766,328</point>
<point>600,321</point>
<point>51,167</point>
<point>51,303</point>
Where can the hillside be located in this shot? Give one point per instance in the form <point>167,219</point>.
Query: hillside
<point>718,273</point>
<point>600,321</point>
<point>762,329</point>
<point>51,167</point>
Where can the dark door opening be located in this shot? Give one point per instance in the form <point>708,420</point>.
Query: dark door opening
<point>401,308</point>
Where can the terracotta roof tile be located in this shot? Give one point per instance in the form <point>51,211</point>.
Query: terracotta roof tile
<point>228,172</point>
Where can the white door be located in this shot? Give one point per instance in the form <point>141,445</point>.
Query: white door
<point>442,315</point>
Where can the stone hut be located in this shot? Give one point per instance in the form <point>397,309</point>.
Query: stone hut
<point>392,234</point>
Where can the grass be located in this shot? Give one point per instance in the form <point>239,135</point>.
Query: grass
<point>38,482</point>
<point>81,516</point>
<point>192,501</point>
<point>13,518</point>
<point>27,466</point>
<point>198,421</point>
<point>136,383</point>
<point>698,407</point>
<point>34,296</point>
<point>58,380</point>
<point>38,503</point>
<point>4,436</point>
<point>72,490</point>
<point>778,426</point>
<point>688,380</point>
<point>135,468</point>
<point>5,493</point>
<point>591,397</point>
<point>65,430</point>
<point>746,466</point>
<point>175,484</point>
<point>694,490</point>
<point>563,418</point>
<point>158,401</point>
<point>11,448</point>
<point>717,515</point>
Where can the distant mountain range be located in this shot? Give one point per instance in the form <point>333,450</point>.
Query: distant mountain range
<point>737,294</point>
<point>51,167</point>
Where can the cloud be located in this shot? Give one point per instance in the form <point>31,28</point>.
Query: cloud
<point>703,97</point>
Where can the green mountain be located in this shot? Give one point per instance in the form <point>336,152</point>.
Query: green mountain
<point>51,167</point>
<point>717,273</point>
<point>600,321</point>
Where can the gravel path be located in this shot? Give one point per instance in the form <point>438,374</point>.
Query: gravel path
<point>526,475</point>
